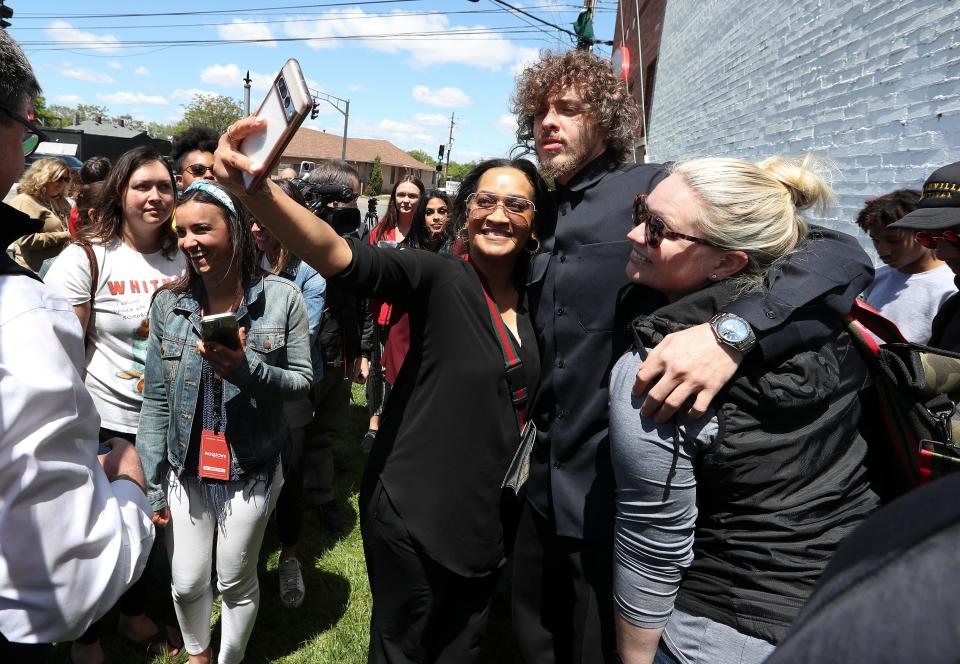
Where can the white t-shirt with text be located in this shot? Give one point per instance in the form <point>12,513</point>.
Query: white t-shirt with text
<point>120,324</point>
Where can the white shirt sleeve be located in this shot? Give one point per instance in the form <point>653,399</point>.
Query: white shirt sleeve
<point>71,542</point>
<point>70,274</point>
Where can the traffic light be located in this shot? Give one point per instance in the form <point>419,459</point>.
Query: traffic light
<point>5,13</point>
<point>440,157</point>
<point>314,112</point>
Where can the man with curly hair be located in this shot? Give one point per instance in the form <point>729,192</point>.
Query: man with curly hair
<point>582,124</point>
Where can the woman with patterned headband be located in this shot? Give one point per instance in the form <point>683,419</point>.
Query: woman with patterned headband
<point>212,428</point>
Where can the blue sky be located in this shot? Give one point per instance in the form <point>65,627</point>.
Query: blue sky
<point>404,65</point>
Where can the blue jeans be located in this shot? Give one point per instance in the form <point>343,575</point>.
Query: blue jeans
<point>663,656</point>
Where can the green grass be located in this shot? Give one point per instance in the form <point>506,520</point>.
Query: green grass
<point>332,624</point>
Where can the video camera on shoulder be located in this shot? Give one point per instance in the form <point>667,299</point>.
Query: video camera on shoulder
<point>321,196</point>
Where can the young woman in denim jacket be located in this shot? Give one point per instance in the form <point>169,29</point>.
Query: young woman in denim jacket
<point>195,390</point>
<point>277,259</point>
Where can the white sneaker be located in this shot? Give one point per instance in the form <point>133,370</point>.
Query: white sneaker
<point>292,590</point>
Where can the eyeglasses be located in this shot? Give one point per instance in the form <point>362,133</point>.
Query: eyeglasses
<point>198,170</point>
<point>33,135</point>
<point>513,205</point>
<point>930,240</point>
<point>656,229</point>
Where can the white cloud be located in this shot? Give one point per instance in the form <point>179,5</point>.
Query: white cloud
<point>87,75</point>
<point>141,71</point>
<point>68,99</point>
<point>354,87</point>
<point>133,98</point>
<point>240,29</point>
<point>431,119</point>
<point>407,134</point>
<point>231,76</point>
<point>189,94</point>
<point>445,97</point>
<point>64,33</point>
<point>507,124</point>
<point>114,65</point>
<point>476,46</point>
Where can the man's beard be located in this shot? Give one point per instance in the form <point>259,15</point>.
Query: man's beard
<point>567,163</point>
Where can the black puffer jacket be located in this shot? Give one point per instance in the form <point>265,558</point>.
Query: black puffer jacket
<point>783,484</point>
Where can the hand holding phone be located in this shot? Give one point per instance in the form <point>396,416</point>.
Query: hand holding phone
<point>284,109</point>
<point>221,328</point>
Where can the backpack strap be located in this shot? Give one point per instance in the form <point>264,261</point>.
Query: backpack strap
<point>873,321</point>
<point>94,269</point>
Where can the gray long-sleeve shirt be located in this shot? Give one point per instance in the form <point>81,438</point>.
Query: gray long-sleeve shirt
<point>656,499</point>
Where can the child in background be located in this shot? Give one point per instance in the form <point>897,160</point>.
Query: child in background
<point>913,284</point>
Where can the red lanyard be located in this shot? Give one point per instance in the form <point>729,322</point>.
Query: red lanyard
<point>513,367</point>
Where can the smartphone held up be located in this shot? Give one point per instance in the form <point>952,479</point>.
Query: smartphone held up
<point>285,107</point>
<point>221,328</point>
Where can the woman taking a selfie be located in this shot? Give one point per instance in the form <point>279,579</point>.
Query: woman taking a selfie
<point>123,256</point>
<point>431,495</point>
<point>212,425</point>
<point>725,522</point>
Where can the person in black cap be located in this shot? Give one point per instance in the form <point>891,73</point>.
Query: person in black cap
<point>936,222</point>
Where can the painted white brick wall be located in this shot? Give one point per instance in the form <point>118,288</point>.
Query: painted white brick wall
<point>873,85</point>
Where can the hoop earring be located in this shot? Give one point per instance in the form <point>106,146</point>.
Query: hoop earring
<point>536,245</point>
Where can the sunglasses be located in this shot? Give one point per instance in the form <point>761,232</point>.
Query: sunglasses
<point>63,178</point>
<point>198,170</point>
<point>930,240</point>
<point>31,137</point>
<point>657,230</point>
<point>513,205</point>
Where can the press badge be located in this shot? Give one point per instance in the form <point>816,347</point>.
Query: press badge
<point>214,456</point>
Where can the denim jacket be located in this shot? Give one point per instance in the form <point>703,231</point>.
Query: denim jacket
<point>277,368</point>
<point>314,289</point>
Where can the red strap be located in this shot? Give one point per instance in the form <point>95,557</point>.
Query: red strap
<point>511,357</point>
<point>872,320</point>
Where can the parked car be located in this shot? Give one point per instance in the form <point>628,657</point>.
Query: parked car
<point>72,161</point>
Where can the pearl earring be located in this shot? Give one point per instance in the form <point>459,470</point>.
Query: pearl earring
<point>713,277</point>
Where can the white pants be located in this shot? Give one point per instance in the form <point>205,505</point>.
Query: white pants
<point>190,539</point>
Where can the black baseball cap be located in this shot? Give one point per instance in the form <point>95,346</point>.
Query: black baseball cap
<point>939,207</point>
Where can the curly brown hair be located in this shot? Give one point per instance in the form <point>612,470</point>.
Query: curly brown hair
<point>615,111</point>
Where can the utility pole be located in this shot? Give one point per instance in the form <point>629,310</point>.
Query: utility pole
<point>342,105</point>
<point>449,149</point>
<point>246,93</point>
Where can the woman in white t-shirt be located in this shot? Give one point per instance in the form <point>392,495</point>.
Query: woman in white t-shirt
<point>135,249</point>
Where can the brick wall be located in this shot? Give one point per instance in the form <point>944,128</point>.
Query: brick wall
<point>874,85</point>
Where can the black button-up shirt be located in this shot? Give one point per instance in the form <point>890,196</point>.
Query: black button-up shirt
<point>575,287</point>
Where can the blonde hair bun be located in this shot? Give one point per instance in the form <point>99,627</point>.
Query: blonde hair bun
<point>807,189</point>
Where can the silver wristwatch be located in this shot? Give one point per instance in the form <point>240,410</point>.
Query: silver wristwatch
<point>733,331</point>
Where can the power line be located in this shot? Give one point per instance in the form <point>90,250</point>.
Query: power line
<point>298,19</point>
<point>545,22</point>
<point>216,11</point>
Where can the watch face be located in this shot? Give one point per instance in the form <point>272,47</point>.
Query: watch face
<point>733,330</point>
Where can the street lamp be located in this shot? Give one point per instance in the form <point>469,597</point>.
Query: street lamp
<point>344,111</point>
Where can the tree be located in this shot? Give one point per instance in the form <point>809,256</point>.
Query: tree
<point>422,157</point>
<point>159,130</point>
<point>215,111</point>
<point>92,112</point>
<point>375,183</point>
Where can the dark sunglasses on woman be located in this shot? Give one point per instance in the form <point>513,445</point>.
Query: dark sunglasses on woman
<point>930,240</point>
<point>656,229</point>
<point>32,135</point>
